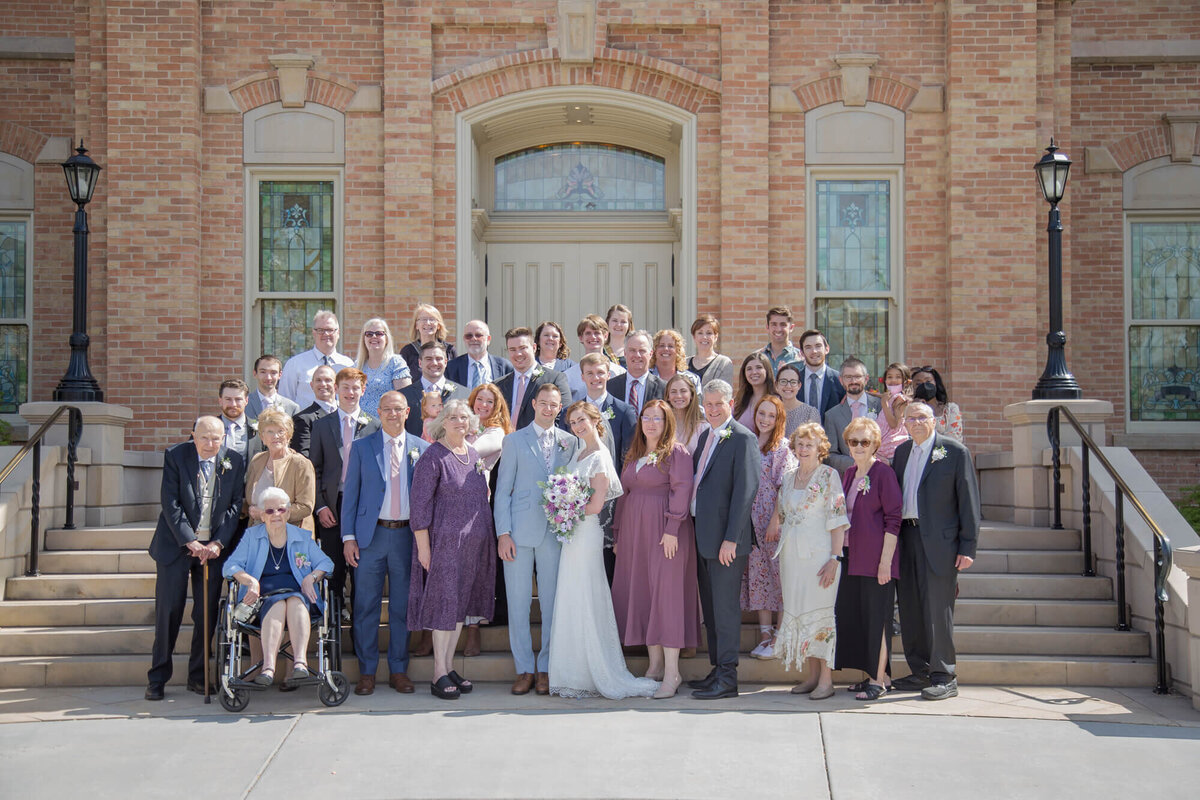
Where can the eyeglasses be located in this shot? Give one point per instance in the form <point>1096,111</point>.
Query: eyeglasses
<point>374,334</point>
<point>917,420</point>
<point>859,442</point>
<point>273,511</point>
<point>656,420</point>
<point>474,336</point>
<point>787,382</point>
<point>273,433</point>
<point>326,331</point>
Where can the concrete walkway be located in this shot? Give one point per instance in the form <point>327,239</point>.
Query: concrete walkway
<point>989,742</point>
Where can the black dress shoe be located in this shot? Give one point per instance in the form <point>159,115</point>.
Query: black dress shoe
<point>718,690</point>
<point>706,682</point>
<point>198,687</point>
<point>154,691</point>
<point>910,683</point>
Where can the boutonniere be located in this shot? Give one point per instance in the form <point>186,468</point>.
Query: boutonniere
<point>608,413</point>
<point>413,455</point>
<point>725,434</point>
<point>864,485</point>
<point>537,372</point>
<point>301,560</point>
<point>652,458</point>
<point>252,426</point>
<point>479,466</point>
<point>226,464</point>
<point>563,447</point>
<point>872,415</point>
<point>448,387</point>
<point>939,453</point>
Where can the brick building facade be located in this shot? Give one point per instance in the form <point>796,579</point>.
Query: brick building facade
<point>932,112</point>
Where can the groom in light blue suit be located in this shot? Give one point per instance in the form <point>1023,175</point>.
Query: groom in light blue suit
<point>378,541</point>
<point>525,541</point>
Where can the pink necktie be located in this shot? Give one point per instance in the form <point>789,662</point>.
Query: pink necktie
<point>516,409</point>
<point>856,410</point>
<point>701,465</point>
<point>347,440</point>
<point>394,507</point>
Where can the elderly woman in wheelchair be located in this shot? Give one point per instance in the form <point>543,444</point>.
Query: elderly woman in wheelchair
<point>281,564</point>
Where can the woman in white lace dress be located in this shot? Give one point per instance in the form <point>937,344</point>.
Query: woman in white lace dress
<point>811,519</point>
<point>585,650</point>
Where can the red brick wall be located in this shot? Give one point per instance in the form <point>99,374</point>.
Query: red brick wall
<point>697,48</point>
<point>457,46</point>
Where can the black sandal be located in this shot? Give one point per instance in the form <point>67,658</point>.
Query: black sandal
<point>861,686</point>
<point>464,685</point>
<point>873,691</point>
<point>444,688</point>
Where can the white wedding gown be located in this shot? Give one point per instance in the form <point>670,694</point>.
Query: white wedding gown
<point>585,648</point>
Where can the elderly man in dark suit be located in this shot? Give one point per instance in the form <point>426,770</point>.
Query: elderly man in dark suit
<point>520,386</point>
<point>477,366</point>
<point>727,465</point>
<point>202,487</point>
<point>938,536</point>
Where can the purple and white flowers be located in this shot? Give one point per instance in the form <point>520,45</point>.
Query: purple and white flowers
<point>564,496</point>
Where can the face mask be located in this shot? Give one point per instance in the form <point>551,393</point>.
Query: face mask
<point>894,390</point>
<point>925,391</point>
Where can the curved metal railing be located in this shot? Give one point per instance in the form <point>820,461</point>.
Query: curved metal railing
<point>1162,543</point>
<point>34,445</point>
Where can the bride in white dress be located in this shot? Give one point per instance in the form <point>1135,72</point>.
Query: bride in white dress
<point>585,649</point>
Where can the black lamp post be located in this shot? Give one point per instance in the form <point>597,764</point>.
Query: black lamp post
<point>1057,382</point>
<point>78,384</point>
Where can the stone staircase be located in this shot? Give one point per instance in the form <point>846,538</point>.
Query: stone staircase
<point>1025,616</point>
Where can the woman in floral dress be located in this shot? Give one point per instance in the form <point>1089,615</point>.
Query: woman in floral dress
<point>760,582</point>
<point>810,518</point>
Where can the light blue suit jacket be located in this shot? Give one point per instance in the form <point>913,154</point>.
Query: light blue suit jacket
<point>518,497</point>
<point>366,477</point>
<point>303,555</point>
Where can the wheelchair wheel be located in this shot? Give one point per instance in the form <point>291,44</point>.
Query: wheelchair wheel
<point>240,699</point>
<point>338,695</point>
<point>335,635</point>
<point>225,669</point>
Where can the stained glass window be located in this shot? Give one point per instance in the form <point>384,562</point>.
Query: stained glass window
<point>580,176</point>
<point>14,315</point>
<point>296,236</point>
<point>296,261</point>
<point>853,259</point>
<point>1164,359</point>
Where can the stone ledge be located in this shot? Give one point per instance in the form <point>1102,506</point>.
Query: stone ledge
<point>1155,51</point>
<point>1157,441</point>
<point>37,48</point>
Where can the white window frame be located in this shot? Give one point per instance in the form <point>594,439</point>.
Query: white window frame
<point>1151,426</point>
<point>894,175</point>
<point>27,320</point>
<point>254,177</point>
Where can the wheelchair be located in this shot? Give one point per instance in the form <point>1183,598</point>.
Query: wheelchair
<point>232,651</point>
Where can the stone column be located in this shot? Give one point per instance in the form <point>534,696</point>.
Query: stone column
<point>1188,559</point>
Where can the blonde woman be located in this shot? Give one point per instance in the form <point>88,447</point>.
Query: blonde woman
<point>428,326</point>
<point>377,358</point>
<point>669,359</point>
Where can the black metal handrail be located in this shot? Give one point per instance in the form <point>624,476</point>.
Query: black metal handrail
<point>34,445</point>
<point>1162,543</point>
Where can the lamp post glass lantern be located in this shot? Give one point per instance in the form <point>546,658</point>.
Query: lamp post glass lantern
<point>78,385</point>
<point>1057,382</point>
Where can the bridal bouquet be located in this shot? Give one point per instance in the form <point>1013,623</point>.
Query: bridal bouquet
<point>564,496</point>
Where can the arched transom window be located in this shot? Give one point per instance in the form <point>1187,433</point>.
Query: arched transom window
<point>580,176</point>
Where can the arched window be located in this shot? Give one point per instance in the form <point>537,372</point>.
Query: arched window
<point>580,176</point>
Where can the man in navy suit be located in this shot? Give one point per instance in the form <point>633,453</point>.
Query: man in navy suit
<point>638,385</point>
<point>521,386</point>
<point>378,541</point>
<point>477,366</point>
<point>201,501</point>
<point>432,379</point>
<point>332,436</point>
<point>619,425</point>
<point>820,387</point>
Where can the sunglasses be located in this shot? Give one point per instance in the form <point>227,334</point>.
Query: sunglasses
<point>274,511</point>
<point>374,334</point>
<point>859,442</point>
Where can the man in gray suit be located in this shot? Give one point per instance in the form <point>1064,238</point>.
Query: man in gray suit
<point>267,370</point>
<point>938,536</point>
<point>525,541</point>
<point>856,403</point>
<point>726,465</point>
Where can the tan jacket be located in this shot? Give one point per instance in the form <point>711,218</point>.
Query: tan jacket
<point>294,474</point>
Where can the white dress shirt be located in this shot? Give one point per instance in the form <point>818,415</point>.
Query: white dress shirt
<point>912,477</point>
<point>294,383</point>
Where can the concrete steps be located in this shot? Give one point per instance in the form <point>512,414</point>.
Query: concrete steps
<point>1025,616</point>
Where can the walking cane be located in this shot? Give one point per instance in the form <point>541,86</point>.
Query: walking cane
<point>204,599</point>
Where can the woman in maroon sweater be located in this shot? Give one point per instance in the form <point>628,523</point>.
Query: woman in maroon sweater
<point>872,563</point>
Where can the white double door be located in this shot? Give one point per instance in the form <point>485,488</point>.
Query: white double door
<point>565,281</point>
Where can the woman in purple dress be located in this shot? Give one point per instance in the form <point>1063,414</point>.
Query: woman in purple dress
<point>655,596</point>
<point>454,562</point>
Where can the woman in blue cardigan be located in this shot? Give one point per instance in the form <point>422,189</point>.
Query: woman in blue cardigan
<point>273,556</point>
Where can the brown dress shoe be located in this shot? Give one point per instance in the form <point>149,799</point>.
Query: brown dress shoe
<point>543,683</point>
<point>473,645</point>
<point>365,685</point>
<point>523,683</point>
<point>400,682</point>
<point>424,644</point>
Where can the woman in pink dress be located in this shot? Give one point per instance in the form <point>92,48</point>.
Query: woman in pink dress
<point>760,582</point>
<point>655,596</point>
